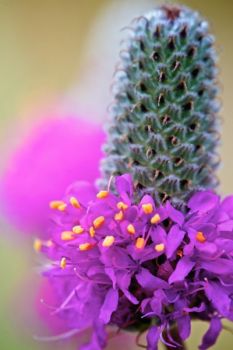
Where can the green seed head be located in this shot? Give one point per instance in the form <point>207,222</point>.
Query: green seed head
<point>163,125</point>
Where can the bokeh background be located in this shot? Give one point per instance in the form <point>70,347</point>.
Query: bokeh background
<point>59,56</point>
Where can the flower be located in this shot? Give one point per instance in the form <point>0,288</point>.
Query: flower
<point>56,153</point>
<point>137,266</point>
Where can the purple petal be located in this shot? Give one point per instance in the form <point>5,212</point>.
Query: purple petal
<point>183,268</point>
<point>203,201</point>
<point>124,185</point>
<point>220,266</point>
<point>212,334</point>
<point>83,191</point>
<point>149,281</point>
<point>219,298</point>
<point>153,338</point>
<point>174,239</point>
<point>184,326</point>
<point>109,306</point>
<point>174,214</point>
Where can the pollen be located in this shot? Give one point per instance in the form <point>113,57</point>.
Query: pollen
<point>159,247</point>
<point>180,253</point>
<point>122,205</point>
<point>108,241</point>
<point>102,194</point>
<point>59,205</point>
<point>74,202</point>
<point>92,231</point>
<point>200,237</point>
<point>147,208</point>
<point>131,229</point>
<point>63,263</point>
<point>78,229</point>
<point>98,222</point>
<point>37,245</point>
<point>155,219</point>
<point>67,235</point>
<point>85,246</point>
<point>119,216</point>
<point>140,243</point>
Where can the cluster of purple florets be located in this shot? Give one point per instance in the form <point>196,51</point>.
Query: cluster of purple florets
<point>138,266</point>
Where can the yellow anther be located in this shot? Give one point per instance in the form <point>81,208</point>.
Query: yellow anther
<point>140,243</point>
<point>37,245</point>
<point>147,208</point>
<point>119,216</point>
<point>200,237</point>
<point>159,247</point>
<point>155,219</point>
<point>92,231</point>
<point>77,229</point>
<point>102,194</point>
<point>67,235</point>
<point>59,205</point>
<point>74,202</point>
<point>108,241</point>
<point>85,246</point>
<point>122,205</point>
<point>63,263</point>
<point>98,221</point>
<point>131,229</point>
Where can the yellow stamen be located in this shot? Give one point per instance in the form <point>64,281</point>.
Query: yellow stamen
<point>131,229</point>
<point>98,221</point>
<point>108,241</point>
<point>140,243</point>
<point>147,208</point>
<point>37,245</point>
<point>67,235</point>
<point>78,229</point>
<point>92,231</point>
<point>200,237</point>
<point>63,263</point>
<point>155,219</point>
<point>159,247</point>
<point>119,216</point>
<point>74,202</point>
<point>59,205</point>
<point>102,194</point>
<point>85,246</point>
<point>122,205</point>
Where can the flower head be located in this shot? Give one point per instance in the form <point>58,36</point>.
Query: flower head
<point>134,265</point>
<point>49,159</point>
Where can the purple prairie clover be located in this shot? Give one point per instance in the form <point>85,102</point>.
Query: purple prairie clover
<point>119,262</point>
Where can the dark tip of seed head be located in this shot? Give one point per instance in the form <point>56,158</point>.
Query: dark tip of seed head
<point>157,32</point>
<point>188,106</point>
<point>143,108</point>
<point>143,87</point>
<point>183,32</point>
<point>181,86</point>
<point>155,56</point>
<point>172,12</point>
<point>171,43</point>
<point>142,45</point>
<point>191,51</point>
<point>165,119</point>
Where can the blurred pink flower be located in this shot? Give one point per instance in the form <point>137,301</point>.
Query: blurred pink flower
<point>56,153</point>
